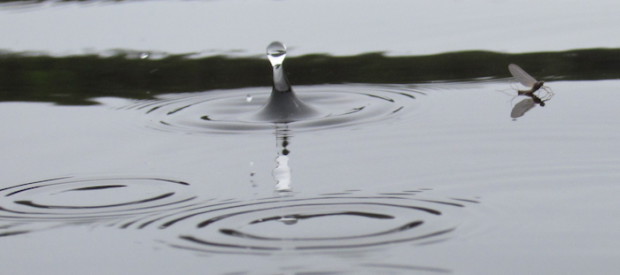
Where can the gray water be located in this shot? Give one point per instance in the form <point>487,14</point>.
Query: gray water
<point>429,177</point>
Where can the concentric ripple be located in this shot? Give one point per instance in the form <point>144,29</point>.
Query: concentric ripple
<point>90,199</point>
<point>344,268</point>
<point>327,222</point>
<point>235,111</point>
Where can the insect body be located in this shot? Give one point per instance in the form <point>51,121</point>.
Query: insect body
<point>528,81</point>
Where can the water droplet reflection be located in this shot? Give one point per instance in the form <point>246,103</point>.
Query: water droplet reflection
<point>282,171</point>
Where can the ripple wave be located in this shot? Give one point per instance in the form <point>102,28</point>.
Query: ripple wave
<point>327,222</point>
<point>235,111</point>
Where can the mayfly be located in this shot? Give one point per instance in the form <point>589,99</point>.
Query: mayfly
<point>527,80</point>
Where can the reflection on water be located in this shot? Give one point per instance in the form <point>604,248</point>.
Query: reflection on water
<point>534,86</point>
<point>282,172</point>
<point>527,104</point>
<point>348,221</point>
<point>228,111</point>
<point>79,79</point>
<point>84,199</point>
<point>522,107</point>
<point>357,184</point>
<point>364,268</point>
<point>56,202</point>
<point>377,142</point>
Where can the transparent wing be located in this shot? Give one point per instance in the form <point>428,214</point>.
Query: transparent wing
<point>521,75</point>
<point>522,107</point>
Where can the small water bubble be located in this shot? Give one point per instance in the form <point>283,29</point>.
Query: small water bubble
<point>276,52</point>
<point>145,55</point>
<point>248,98</point>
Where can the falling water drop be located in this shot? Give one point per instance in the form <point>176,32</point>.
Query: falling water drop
<point>248,98</point>
<point>276,52</point>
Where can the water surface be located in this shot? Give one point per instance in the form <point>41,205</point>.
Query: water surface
<point>150,160</point>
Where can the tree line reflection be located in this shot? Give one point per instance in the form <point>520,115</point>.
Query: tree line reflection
<point>75,79</point>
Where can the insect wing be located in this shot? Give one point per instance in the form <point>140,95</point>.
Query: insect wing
<point>522,107</point>
<point>521,75</point>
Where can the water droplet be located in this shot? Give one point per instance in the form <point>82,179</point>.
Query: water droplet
<point>248,98</point>
<point>145,55</point>
<point>276,52</point>
<point>288,220</point>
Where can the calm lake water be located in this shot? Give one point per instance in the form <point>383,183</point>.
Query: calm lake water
<point>131,141</point>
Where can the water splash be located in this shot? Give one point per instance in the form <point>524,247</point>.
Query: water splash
<point>240,111</point>
<point>283,105</point>
<point>228,111</point>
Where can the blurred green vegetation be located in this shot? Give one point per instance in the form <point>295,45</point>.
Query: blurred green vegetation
<point>76,79</point>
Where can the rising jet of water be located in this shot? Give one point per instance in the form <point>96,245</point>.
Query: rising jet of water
<point>283,105</point>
